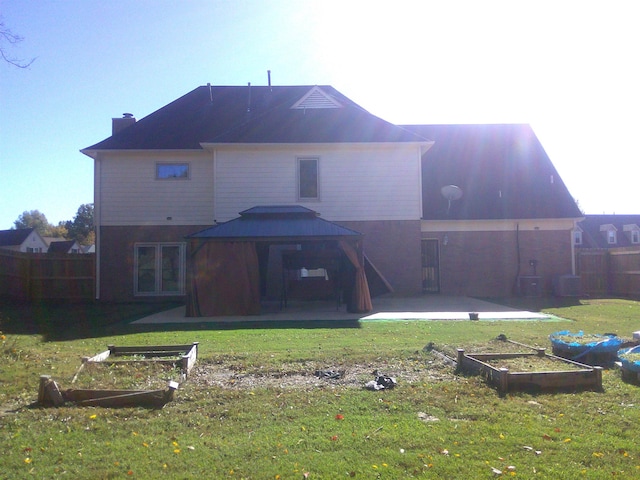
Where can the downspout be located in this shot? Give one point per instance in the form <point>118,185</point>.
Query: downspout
<point>215,189</point>
<point>97,196</point>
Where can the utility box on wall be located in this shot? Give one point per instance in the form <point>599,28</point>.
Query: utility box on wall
<point>530,285</point>
<point>566,286</point>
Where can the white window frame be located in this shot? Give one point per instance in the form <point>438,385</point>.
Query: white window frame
<point>612,238</point>
<point>299,160</point>
<point>157,292</point>
<point>635,237</point>
<point>577,237</point>
<point>160,165</point>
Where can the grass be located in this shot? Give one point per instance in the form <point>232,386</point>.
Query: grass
<point>434,424</point>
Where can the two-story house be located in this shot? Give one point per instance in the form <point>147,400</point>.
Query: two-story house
<point>219,151</point>
<point>469,214</point>
<point>608,231</point>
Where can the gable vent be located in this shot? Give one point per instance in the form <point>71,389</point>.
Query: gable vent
<point>316,98</point>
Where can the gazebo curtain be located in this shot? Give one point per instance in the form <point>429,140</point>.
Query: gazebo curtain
<point>362,297</point>
<point>225,280</point>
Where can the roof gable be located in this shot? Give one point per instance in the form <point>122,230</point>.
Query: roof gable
<point>316,98</point>
<point>63,246</point>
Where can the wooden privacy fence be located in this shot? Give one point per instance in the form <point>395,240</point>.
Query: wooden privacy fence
<point>47,276</point>
<point>614,271</point>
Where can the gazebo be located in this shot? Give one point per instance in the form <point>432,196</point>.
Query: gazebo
<point>231,266</point>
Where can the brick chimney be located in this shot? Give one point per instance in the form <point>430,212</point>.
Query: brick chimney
<point>119,124</point>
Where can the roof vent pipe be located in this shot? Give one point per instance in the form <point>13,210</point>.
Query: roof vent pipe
<point>119,124</point>
<point>249,99</point>
<point>269,78</point>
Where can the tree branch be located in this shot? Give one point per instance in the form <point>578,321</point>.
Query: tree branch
<point>11,38</point>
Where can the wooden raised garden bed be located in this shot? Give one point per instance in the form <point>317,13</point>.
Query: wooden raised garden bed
<point>49,394</point>
<point>530,371</point>
<point>134,367</point>
<point>183,355</point>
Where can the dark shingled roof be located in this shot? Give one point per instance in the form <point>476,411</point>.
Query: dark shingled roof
<point>14,237</point>
<point>275,222</point>
<point>592,237</point>
<point>62,246</point>
<point>502,170</point>
<point>256,114</point>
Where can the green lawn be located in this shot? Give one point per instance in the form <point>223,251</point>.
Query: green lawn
<point>253,408</point>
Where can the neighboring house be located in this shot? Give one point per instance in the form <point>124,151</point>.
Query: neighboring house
<point>218,151</point>
<point>607,231</point>
<point>26,240</point>
<point>497,218</point>
<point>64,246</point>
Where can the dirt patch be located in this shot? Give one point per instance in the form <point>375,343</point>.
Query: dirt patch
<point>311,376</point>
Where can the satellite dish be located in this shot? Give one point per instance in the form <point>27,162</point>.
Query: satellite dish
<point>451,193</point>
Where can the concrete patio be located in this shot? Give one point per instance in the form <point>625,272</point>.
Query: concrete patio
<point>424,307</point>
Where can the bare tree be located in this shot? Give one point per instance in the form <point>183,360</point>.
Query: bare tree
<point>7,37</point>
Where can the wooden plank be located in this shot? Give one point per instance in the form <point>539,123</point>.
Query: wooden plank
<point>189,360</point>
<point>150,350</point>
<point>150,360</point>
<point>122,398</point>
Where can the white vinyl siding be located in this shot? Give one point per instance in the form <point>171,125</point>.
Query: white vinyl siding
<point>363,182</point>
<point>129,192</point>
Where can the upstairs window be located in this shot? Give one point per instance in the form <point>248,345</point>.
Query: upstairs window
<point>635,236</point>
<point>308,178</point>
<point>172,171</point>
<point>612,237</point>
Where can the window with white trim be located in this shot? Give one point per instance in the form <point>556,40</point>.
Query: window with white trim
<point>172,171</point>
<point>635,236</point>
<point>612,238</point>
<point>308,178</point>
<point>159,268</point>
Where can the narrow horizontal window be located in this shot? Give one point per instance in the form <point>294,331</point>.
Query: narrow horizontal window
<point>172,171</point>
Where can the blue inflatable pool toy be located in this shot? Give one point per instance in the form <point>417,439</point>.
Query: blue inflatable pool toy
<point>602,344</point>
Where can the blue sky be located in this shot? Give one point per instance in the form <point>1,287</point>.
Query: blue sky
<point>568,68</point>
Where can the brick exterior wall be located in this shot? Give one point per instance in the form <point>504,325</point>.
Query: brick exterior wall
<point>116,258</point>
<point>482,264</point>
<point>485,264</point>
<point>394,247</point>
